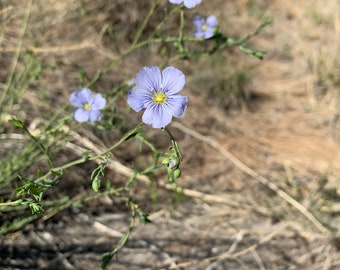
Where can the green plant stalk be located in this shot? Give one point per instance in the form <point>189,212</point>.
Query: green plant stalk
<point>145,22</point>
<point>135,45</point>
<point>174,144</point>
<point>132,133</point>
<point>17,54</point>
<point>13,203</point>
<point>18,123</point>
<point>168,15</point>
<point>173,39</point>
<point>264,23</point>
<point>107,257</point>
<point>179,40</point>
<point>86,157</point>
<point>55,207</point>
<point>147,143</point>
<point>58,171</point>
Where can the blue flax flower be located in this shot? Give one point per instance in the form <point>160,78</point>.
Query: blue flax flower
<point>187,3</point>
<point>88,105</point>
<point>157,93</point>
<point>205,28</point>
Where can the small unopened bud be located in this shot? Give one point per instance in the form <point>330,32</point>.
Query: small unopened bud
<point>174,162</point>
<point>177,173</point>
<point>165,161</point>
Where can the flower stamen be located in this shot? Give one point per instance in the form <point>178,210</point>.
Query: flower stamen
<point>204,27</point>
<point>87,106</point>
<point>159,98</point>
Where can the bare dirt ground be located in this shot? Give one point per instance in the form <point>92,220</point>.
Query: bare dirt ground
<point>261,180</point>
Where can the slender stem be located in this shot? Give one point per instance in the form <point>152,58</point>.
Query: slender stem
<point>17,202</point>
<point>16,57</point>
<point>243,40</point>
<point>174,144</point>
<point>180,39</point>
<point>146,20</point>
<point>161,24</point>
<point>135,45</point>
<point>128,135</point>
<point>146,142</point>
<point>57,170</point>
<point>125,238</point>
<point>180,34</point>
<point>70,164</point>
<point>169,133</point>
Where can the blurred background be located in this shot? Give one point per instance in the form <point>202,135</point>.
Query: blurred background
<point>260,138</point>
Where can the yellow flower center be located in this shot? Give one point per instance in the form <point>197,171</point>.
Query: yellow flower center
<point>204,27</point>
<point>87,107</point>
<point>159,98</point>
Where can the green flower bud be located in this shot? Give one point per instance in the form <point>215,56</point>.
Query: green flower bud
<point>173,163</point>
<point>177,173</point>
<point>165,161</point>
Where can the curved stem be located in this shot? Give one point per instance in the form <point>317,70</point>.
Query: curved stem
<point>128,135</point>
<point>58,170</point>
<point>174,144</point>
<point>107,257</point>
<point>146,20</point>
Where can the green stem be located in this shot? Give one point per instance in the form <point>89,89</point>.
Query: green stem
<point>58,170</point>
<point>16,56</point>
<point>180,33</point>
<point>17,202</point>
<point>107,257</point>
<point>146,20</point>
<point>246,38</point>
<point>147,143</point>
<point>127,135</point>
<point>136,44</point>
<point>161,24</point>
<point>174,144</point>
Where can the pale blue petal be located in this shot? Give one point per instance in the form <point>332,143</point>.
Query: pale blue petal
<point>138,99</point>
<point>199,33</point>
<point>98,102</point>
<point>175,1</point>
<point>157,116</point>
<point>176,105</point>
<point>149,78</point>
<point>198,21</point>
<point>81,115</point>
<point>212,21</point>
<point>173,80</point>
<point>75,100</point>
<point>80,97</point>
<point>94,115</point>
<point>191,3</point>
<point>209,33</point>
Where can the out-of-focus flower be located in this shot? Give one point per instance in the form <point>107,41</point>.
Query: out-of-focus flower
<point>187,3</point>
<point>157,93</point>
<point>88,105</point>
<point>205,28</point>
